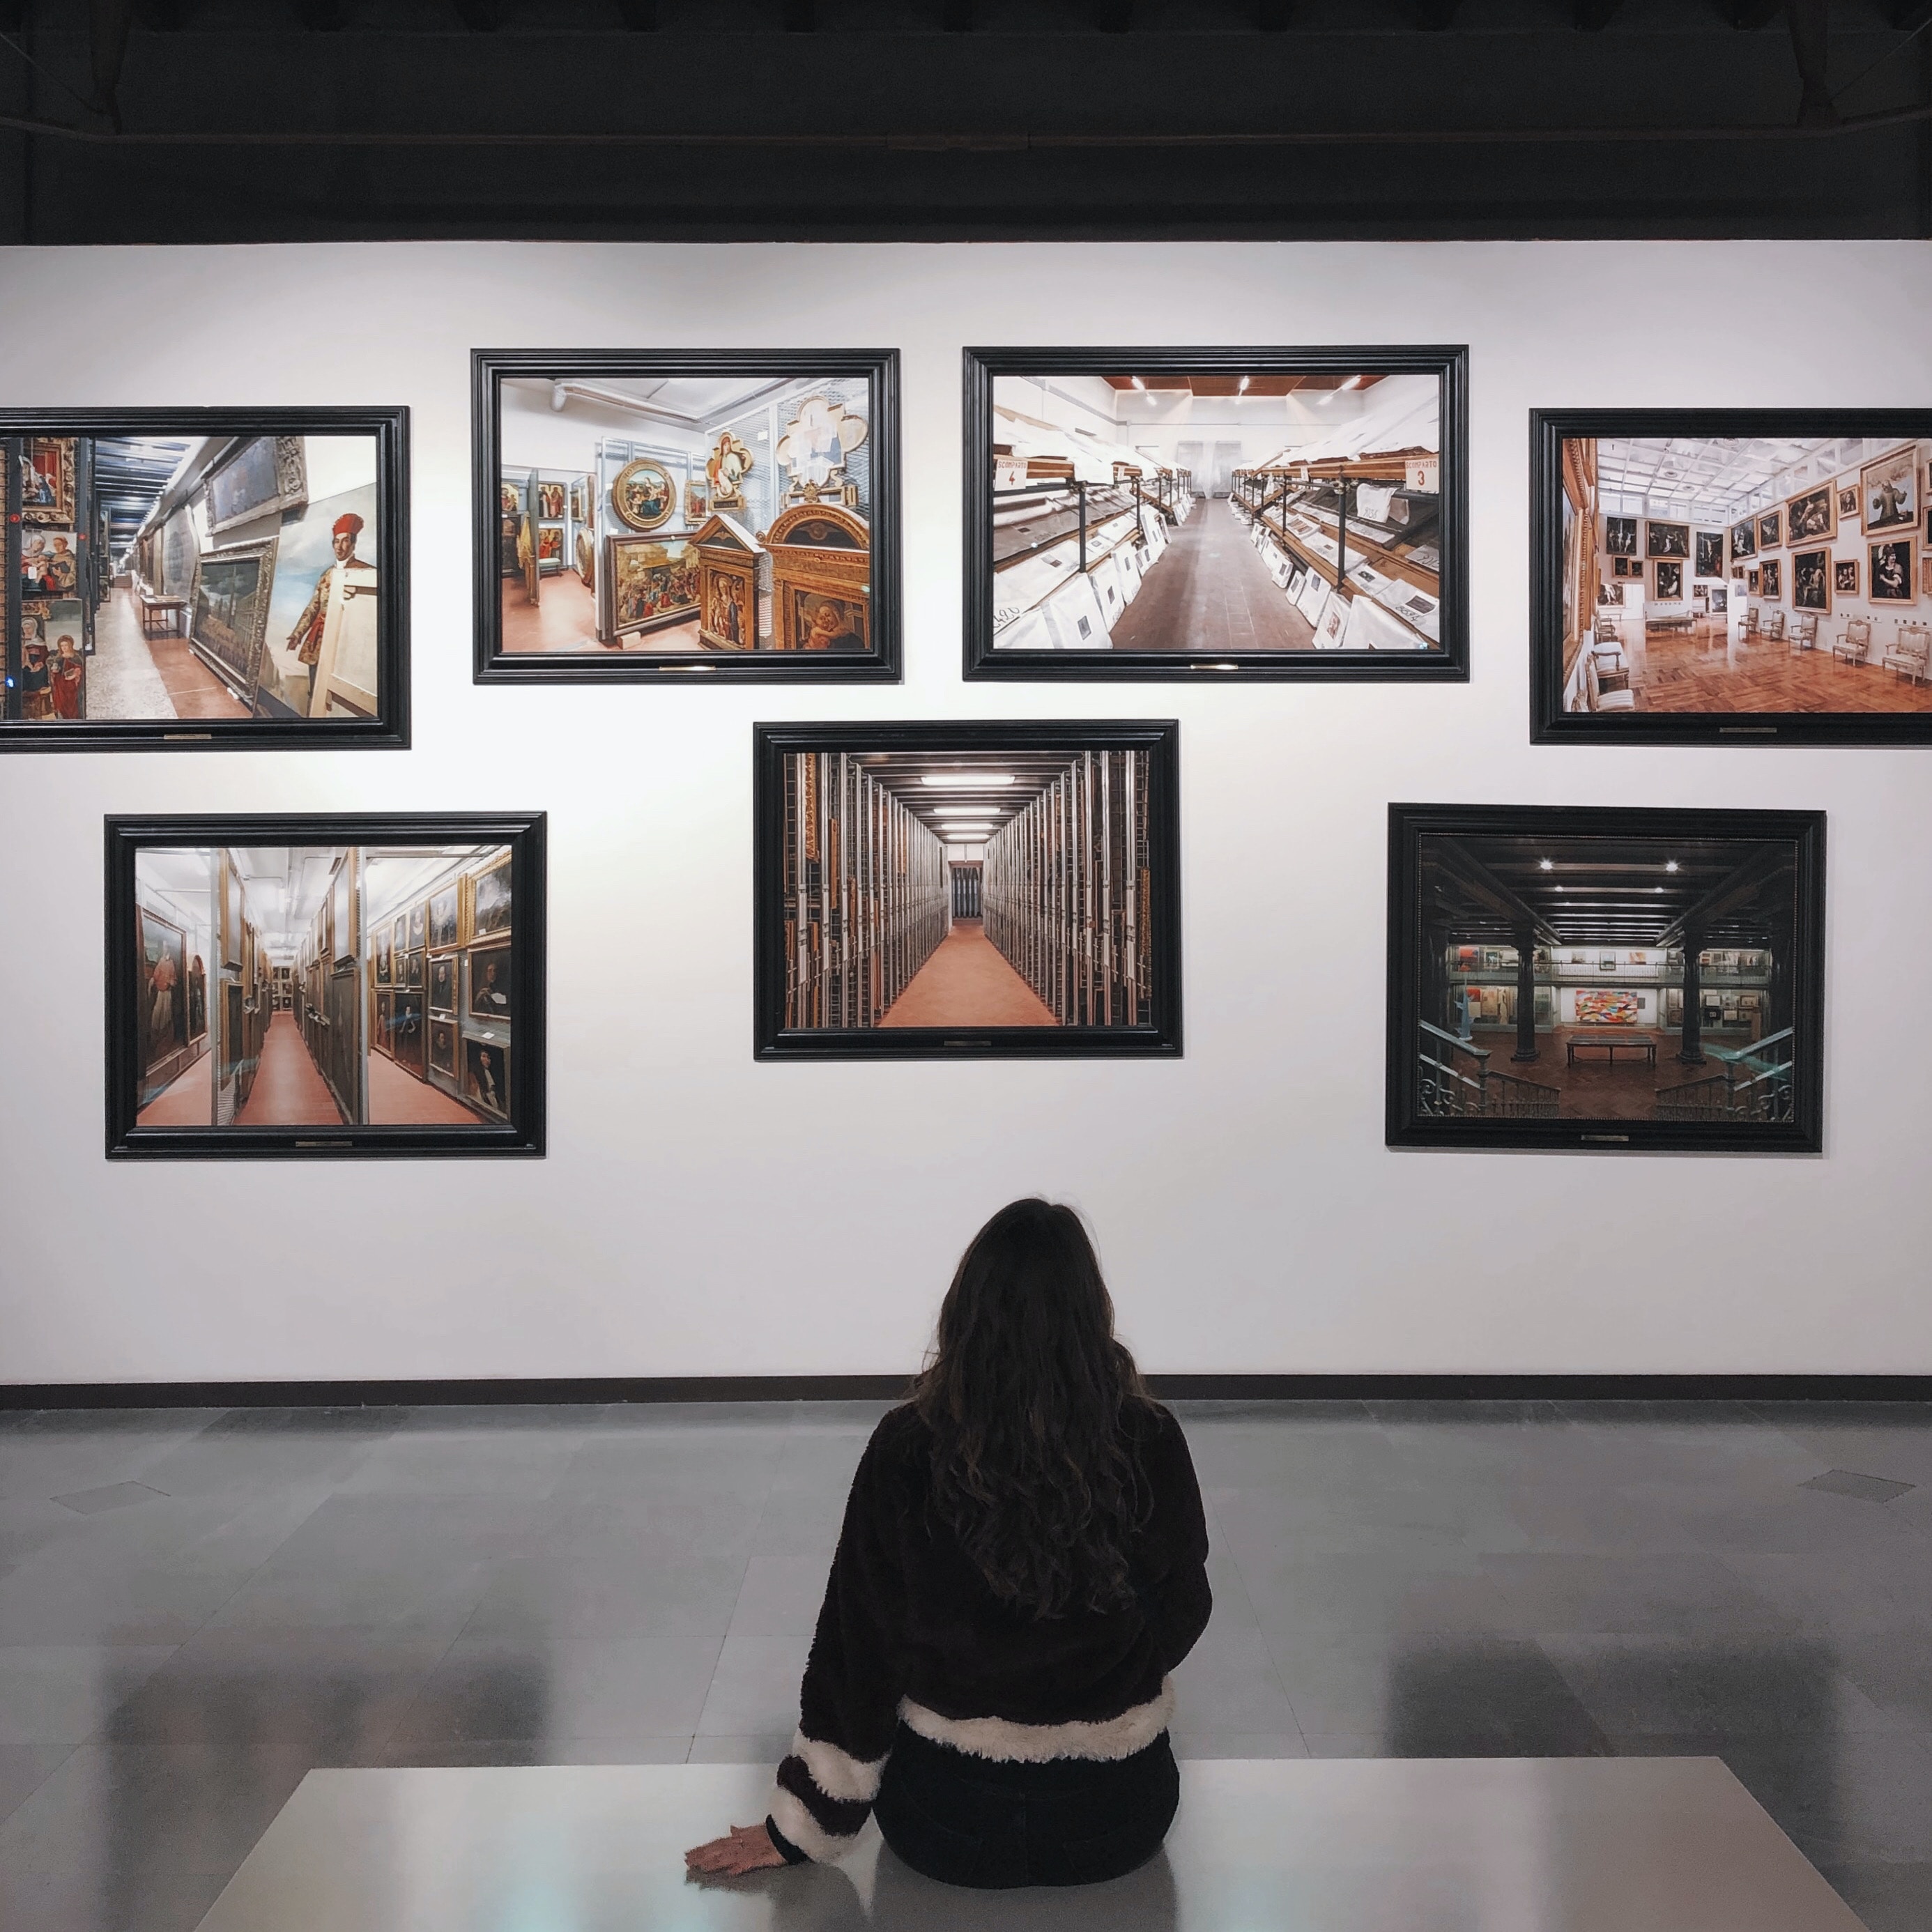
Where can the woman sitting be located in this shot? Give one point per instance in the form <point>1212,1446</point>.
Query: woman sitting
<point>1022,1563</point>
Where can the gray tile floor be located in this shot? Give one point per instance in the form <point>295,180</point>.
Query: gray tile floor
<point>197,1606</point>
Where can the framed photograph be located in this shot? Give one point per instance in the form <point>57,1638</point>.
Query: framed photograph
<point>1710,553</point>
<point>385,955</point>
<point>344,1070</point>
<point>1034,868</point>
<point>1136,513</point>
<point>258,596</point>
<point>1848,503</point>
<point>1669,586</point>
<point>719,486</point>
<point>489,976</point>
<point>1889,490</point>
<point>418,926</point>
<point>444,917</point>
<point>442,983</point>
<point>1812,518</point>
<point>1575,1051</point>
<point>1891,579</point>
<point>491,903</point>
<point>1666,540</point>
<point>1620,536</point>
<point>1811,581</point>
<point>1714,469</point>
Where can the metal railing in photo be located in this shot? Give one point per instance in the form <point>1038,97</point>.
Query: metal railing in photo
<point>1456,1082</point>
<point>1752,1083</point>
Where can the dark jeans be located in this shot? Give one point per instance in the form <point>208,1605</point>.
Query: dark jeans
<point>969,1821</point>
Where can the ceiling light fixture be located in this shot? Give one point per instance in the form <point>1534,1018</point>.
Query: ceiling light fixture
<point>1670,866</point>
<point>961,778</point>
<point>979,813</point>
<point>1546,865</point>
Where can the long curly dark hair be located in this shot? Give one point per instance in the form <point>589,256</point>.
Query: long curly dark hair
<point>1032,1404</point>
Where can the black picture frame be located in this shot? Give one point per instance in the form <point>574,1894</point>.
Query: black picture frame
<point>1448,664</point>
<point>1159,1037</point>
<point>522,1134</point>
<point>878,663</point>
<point>388,731</point>
<point>1408,1125</point>
<point>1549,723</point>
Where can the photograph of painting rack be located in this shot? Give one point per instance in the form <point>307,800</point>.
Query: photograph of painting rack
<point>1263,513</point>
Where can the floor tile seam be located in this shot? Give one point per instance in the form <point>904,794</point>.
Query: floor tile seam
<point>731,1616</point>
<point>52,1770</point>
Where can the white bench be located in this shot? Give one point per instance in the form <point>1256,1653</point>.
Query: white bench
<point>1319,1845</point>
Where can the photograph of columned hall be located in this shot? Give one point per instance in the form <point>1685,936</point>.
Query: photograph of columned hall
<point>971,888</point>
<point>1780,576</point>
<point>1218,513</point>
<point>323,986</point>
<point>164,577</point>
<point>1580,966</point>
<point>641,512</point>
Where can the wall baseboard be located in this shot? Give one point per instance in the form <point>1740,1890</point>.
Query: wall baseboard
<point>508,1391</point>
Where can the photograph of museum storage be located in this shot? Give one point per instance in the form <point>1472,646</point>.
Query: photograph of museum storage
<point>967,888</point>
<point>685,514</point>
<point>1745,574</point>
<point>1600,977</point>
<point>323,985</point>
<point>1103,536</point>
<point>222,577</point>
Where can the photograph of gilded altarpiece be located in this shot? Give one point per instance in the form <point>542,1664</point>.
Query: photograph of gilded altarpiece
<point>1257,513</point>
<point>653,515</point>
<point>265,997</point>
<point>205,577</point>
<point>1824,640</point>
<point>1604,979</point>
<point>955,890</point>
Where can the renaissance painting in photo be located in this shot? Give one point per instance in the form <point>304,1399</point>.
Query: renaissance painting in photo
<point>1828,636</point>
<point>1631,976</point>
<point>915,886</point>
<point>1140,514</point>
<point>171,584</point>
<point>645,518</point>
<point>314,990</point>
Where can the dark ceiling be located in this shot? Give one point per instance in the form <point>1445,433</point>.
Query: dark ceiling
<point>245,120</point>
<point>1613,892</point>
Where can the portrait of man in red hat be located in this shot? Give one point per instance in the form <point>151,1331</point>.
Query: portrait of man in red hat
<point>305,640</point>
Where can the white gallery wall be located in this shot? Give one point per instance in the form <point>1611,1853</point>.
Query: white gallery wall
<point>698,1214</point>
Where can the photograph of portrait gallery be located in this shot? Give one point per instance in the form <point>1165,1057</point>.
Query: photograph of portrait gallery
<point>1221,514</point>
<point>228,581</point>
<point>1775,576</point>
<point>322,987</point>
<point>643,515</point>
<point>968,891</point>
<point>1556,972</point>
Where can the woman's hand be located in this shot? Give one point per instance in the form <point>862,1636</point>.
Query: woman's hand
<point>749,1848</point>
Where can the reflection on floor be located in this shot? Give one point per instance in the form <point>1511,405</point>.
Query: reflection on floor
<point>399,1099</point>
<point>133,676</point>
<point>187,1101</point>
<point>1211,591</point>
<point>1593,1088</point>
<point>289,1091</point>
<point>222,1599</point>
<point>564,619</point>
<point>967,983</point>
<point>1698,670</point>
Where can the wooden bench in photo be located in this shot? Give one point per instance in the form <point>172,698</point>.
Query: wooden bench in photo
<point>1634,1044</point>
<point>163,616</point>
